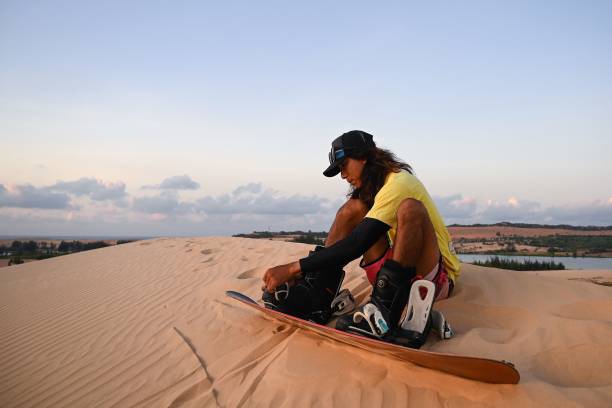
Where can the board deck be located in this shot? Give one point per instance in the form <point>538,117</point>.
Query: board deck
<point>475,368</point>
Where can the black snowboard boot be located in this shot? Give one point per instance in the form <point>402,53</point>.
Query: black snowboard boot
<point>379,318</point>
<point>311,296</point>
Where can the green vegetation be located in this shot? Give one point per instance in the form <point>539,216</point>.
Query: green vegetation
<point>15,260</point>
<point>553,245</point>
<point>309,237</point>
<point>19,250</point>
<point>571,243</point>
<point>527,265</point>
<point>78,246</point>
<point>257,234</point>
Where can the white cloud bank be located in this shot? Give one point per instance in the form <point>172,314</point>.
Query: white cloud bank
<point>28,196</point>
<point>459,210</point>
<point>183,182</point>
<point>88,206</point>
<point>97,190</point>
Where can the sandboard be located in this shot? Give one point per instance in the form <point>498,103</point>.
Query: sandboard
<point>475,368</point>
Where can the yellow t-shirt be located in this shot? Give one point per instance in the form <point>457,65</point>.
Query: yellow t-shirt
<point>402,185</point>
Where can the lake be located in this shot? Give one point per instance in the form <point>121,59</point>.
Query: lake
<point>569,262</point>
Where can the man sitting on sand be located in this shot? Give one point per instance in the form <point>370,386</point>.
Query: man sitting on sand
<point>391,220</point>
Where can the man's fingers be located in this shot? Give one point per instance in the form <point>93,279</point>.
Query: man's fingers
<point>266,279</point>
<point>270,281</point>
<point>271,286</point>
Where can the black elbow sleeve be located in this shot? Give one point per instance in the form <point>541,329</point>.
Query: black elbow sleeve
<point>344,251</point>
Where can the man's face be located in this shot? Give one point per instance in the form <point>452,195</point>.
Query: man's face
<point>351,169</point>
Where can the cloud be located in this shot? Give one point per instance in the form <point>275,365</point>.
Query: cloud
<point>511,210</point>
<point>251,188</point>
<point>183,182</point>
<point>97,190</point>
<point>28,196</point>
<point>596,213</point>
<point>59,195</point>
<point>246,208</point>
<point>166,203</point>
<point>104,208</point>
<point>456,206</point>
<point>254,199</point>
<point>457,209</point>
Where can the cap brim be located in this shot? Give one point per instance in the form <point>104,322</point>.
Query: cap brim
<point>332,170</point>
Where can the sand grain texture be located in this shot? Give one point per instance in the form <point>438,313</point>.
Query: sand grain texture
<point>148,324</point>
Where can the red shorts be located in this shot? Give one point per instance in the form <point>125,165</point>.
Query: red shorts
<point>438,275</point>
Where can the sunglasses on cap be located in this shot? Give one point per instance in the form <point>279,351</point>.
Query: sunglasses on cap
<point>336,154</point>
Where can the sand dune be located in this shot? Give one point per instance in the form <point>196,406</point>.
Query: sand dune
<point>147,324</point>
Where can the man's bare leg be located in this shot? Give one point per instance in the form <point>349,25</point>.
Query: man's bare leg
<point>347,218</point>
<point>416,243</point>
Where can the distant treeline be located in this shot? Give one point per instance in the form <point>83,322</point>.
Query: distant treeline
<point>574,245</point>
<point>310,239</point>
<point>42,249</point>
<point>541,226</point>
<point>526,265</point>
<point>306,237</point>
<point>571,243</point>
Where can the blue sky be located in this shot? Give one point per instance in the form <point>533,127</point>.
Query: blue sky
<point>200,118</point>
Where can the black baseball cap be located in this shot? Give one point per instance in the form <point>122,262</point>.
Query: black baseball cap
<point>346,145</point>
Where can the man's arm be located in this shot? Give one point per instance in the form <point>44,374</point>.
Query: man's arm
<point>342,252</point>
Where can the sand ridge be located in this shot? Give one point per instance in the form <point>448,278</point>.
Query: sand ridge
<point>147,324</point>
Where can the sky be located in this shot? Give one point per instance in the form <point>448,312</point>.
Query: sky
<point>148,118</point>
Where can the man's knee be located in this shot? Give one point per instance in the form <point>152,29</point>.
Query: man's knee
<point>411,210</point>
<point>352,209</point>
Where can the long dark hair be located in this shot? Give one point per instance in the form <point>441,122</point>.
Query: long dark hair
<point>379,163</point>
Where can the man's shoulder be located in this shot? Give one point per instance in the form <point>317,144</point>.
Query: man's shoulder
<point>403,179</point>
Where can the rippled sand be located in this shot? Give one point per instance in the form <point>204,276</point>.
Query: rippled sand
<point>148,324</point>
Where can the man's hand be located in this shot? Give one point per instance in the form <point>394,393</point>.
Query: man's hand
<point>280,274</point>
